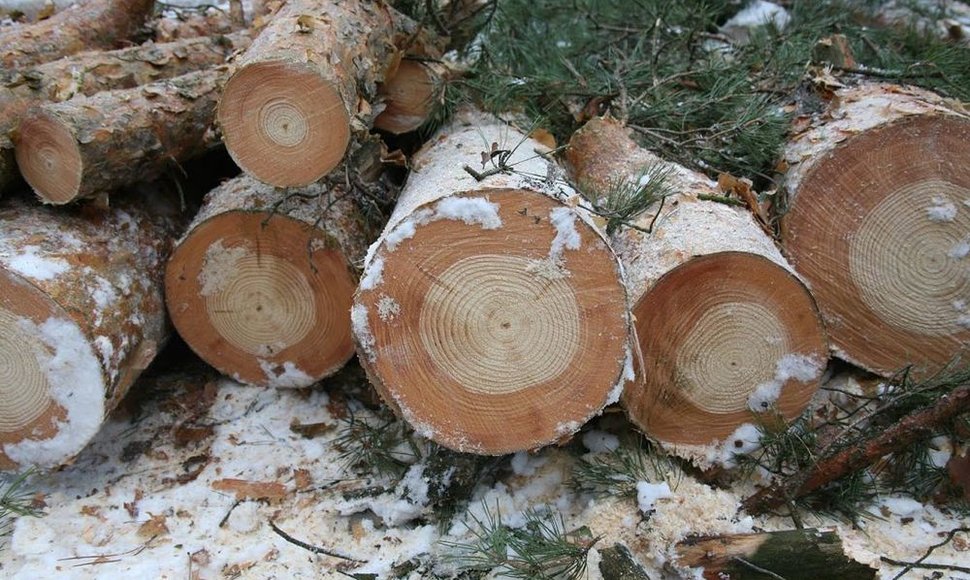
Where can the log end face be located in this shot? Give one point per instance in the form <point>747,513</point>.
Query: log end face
<point>283,123</point>
<point>494,322</point>
<point>265,302</point>
<point>725,337</point>
<point>49,158</point>
<point>410,96</point>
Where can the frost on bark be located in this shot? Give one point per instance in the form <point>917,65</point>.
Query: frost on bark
<point>304,87</point>
<point>878,224</point>
<point>92,145</point>
<point>81,315</point>
<point>725,328</point>
<point>491,314</point>
<point>261,284</point>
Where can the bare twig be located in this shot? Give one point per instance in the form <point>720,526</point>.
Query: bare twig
<point>311,547</point>
<point>919,563</point>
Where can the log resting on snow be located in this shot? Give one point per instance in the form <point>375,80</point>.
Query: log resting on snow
<point>725,328</point>
<point>491,314</point>
<point>878,224</point>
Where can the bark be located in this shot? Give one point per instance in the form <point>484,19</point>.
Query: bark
<point>192,24</point>
<point>491,315</point>
<point>89,146</point>
<point>82,314</point>
<point>617,563</point>
<point>719,315</point>
<point>89,25</point>
<point>411,96</point>
<point>886,257</point>
<point>304,87</point>
<point>261,283</point>
<point>33,10</point>
<point>808,553</point>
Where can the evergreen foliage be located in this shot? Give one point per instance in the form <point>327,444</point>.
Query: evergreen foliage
<point>15,500</point>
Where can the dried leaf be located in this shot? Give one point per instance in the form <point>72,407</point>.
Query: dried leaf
<point>304,24</point>
<point>153,527</point>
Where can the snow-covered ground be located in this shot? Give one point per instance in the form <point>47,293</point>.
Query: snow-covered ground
<point>158,495</point>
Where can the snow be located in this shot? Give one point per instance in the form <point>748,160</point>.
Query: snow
<point>471,210</point>
<point>387,308</point>
<point>28,263</point>
<point>648,494</point>
<point>758,13</point>
<point>790,367</point>
<point>219,267</point>
<point>361,328</point>
<point>942,210</point>
<point>960,250</point>
<point>600,441</point>
<point>285,375</point>
<point>373,275</point>
<point>567,237</point>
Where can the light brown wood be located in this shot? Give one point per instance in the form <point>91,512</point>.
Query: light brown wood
<point>303,87</point>
<point>725,328</point>
<point>491,315</point>
<point>411,96</point>
<point>878,220</point>
<point>81,315</point>
<point>261,285</point>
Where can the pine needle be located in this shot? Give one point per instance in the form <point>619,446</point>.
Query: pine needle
<point>16,501</point>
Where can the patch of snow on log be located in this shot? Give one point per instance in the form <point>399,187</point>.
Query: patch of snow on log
<point>792,366</point>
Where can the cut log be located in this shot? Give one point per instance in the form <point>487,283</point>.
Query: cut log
<point>878,223</point>
<point>261,284</point>
<point>491,316</point>
<point>89,25</point>
<point>411,96</point>
<point>88,73</point>
<point>725,327</point>
<point>192,24</point>
<point>808,553</point>
<point>81,315</point>
<point>288,111</point>
<point>92,145</point>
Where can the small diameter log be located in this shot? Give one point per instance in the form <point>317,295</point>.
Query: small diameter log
<point>725,328</point>
<point>491,316</point>
<point>261,284</point>
<point>411,96</point>
<point>81,315</point>
<point>288,111</point>
<point>89,25</point>
<point>878,221</point>
<point>808,553</point>
<point>91,145</point>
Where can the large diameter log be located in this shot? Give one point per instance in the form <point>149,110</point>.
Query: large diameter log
<point>411,96</point>
<point>261,285</point>
<point>81,315</point>
<point>288,111</point>
<point>725,327</point>
<point>878,223</point>
<point>808,553</point>
<point>90,145</point>
<point>491,315</point>
<point>86,26</point>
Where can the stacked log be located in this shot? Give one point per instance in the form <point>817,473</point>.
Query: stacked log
<point>261,284</point>
<point>491,314</point>
<point>288,111</point>
<point>411,95</point>
<point>81,315</point>
<point>725,328</point>
<point>877,222</point>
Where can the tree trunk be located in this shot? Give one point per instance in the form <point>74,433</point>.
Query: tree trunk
<point>491,314</point>
<point>90,25</point>
<point>808,553</point>
<point>303,87</point>
<point>89,146</point>
<point>261,284</point>
<point>877,220</point>
<point>411,96</point>
<point>192,24</point>
<point>725,328</point>
<point>81,315</point>
<point>88,73</point>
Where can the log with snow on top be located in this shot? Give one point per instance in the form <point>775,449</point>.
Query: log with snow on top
<point>878,224</point>
<point>81,315</point>
<point>88,146</point>
<point>726,329</point>
<point>261,284</point>
<point>303,88</point>
<point>491,314</point>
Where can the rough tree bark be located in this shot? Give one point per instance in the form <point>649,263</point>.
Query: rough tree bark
<point>91,145</point>
<point>808,553</point>
<point>89,25</point>
<point>192,24</point>
<point>725,328</point>
<point>88,73</point>
<point>877,220</point>
<point>304,86</point>
<point>81,315</point>
<point>261,284</point>
<point>491,315</point>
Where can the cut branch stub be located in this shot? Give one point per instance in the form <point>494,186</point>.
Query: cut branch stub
<point>288,111</point>
<point>725,328</point>
<point>491,315</point>
<point>879,225</point>
<point>261,290</point>
<point>81,315</point>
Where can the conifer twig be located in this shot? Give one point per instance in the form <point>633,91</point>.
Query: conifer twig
<point>919,563</point>
<point>311,547</point>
